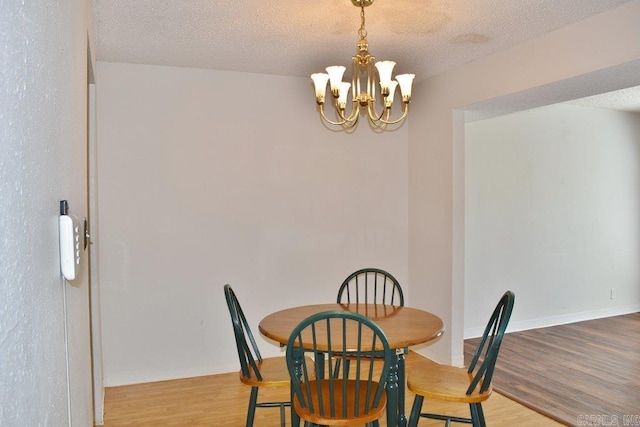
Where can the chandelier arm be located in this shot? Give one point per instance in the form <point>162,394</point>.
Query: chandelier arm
<point>352,119</point>
<point>340,111</point>
<point>378,122</point>
<point>355,111</point>
<point>346,121</point>
<point>326,119</point>
<point>405,111</point>
<point>373,114</point>
<point>351,124</point>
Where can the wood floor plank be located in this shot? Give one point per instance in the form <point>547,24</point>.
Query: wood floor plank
<point>221,400</point>
<point>578,369</point>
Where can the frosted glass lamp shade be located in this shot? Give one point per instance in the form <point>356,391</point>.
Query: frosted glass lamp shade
<point>344,92</point>
<point>335,77</point>
<point>405,81</point>
<point>320,84</point>
<point>385,68</point>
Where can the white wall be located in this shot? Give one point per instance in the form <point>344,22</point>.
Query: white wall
<point>552,212</point>
<point>542,70</point>
<point>43,86</point>
<point>208,178</point>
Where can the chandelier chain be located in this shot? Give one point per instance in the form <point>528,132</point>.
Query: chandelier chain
<point>362,32</point>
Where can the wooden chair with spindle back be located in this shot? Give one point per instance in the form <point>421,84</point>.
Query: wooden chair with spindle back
<point>369,286</point>
<point>338,399</point>
<point>471,385</point>
<point>255,371</point>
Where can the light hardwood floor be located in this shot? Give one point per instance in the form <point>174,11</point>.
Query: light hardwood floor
<point>221,400</point>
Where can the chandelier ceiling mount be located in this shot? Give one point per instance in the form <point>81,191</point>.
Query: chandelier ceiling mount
<point>359,3</point>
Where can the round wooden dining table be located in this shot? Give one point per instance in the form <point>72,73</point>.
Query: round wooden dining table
<point>403,327</point>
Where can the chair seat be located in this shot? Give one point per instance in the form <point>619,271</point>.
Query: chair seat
<point>443,382</point>
<point>274,373</point>
<point>340,418</point>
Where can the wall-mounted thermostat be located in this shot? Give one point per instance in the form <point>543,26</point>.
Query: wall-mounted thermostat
<point>69,228</point>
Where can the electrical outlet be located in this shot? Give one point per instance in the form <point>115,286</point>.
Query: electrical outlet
<point>613,293</point>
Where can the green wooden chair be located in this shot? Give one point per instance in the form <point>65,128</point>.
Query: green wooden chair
<point>463,385</point>
<point>254,370</point>
<point>338,400</point>
<point>371,286</point>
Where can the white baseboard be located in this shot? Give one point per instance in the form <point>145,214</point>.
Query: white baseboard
<point>563,319</point>
<point>98,412</point>
<point>128,378</point>
<point>437,356</point>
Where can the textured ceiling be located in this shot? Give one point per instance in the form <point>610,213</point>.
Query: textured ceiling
<point>625,100</point>
<point>296,38</point>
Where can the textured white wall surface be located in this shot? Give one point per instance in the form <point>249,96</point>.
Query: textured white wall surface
<point>553,213</point>
<point>43,68</point>
<point>210,177</point>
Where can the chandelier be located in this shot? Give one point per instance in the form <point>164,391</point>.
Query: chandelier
<point>363,86</point>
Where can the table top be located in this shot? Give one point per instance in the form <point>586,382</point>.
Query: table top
<point>403,326</point>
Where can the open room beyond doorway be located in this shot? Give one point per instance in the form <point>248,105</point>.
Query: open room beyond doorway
<point>551,204</point>
<point>552,208</point>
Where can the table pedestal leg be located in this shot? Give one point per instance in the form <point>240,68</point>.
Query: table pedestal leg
<point>392,394</point>
<point>402,418</point>
<point>298,356</point>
